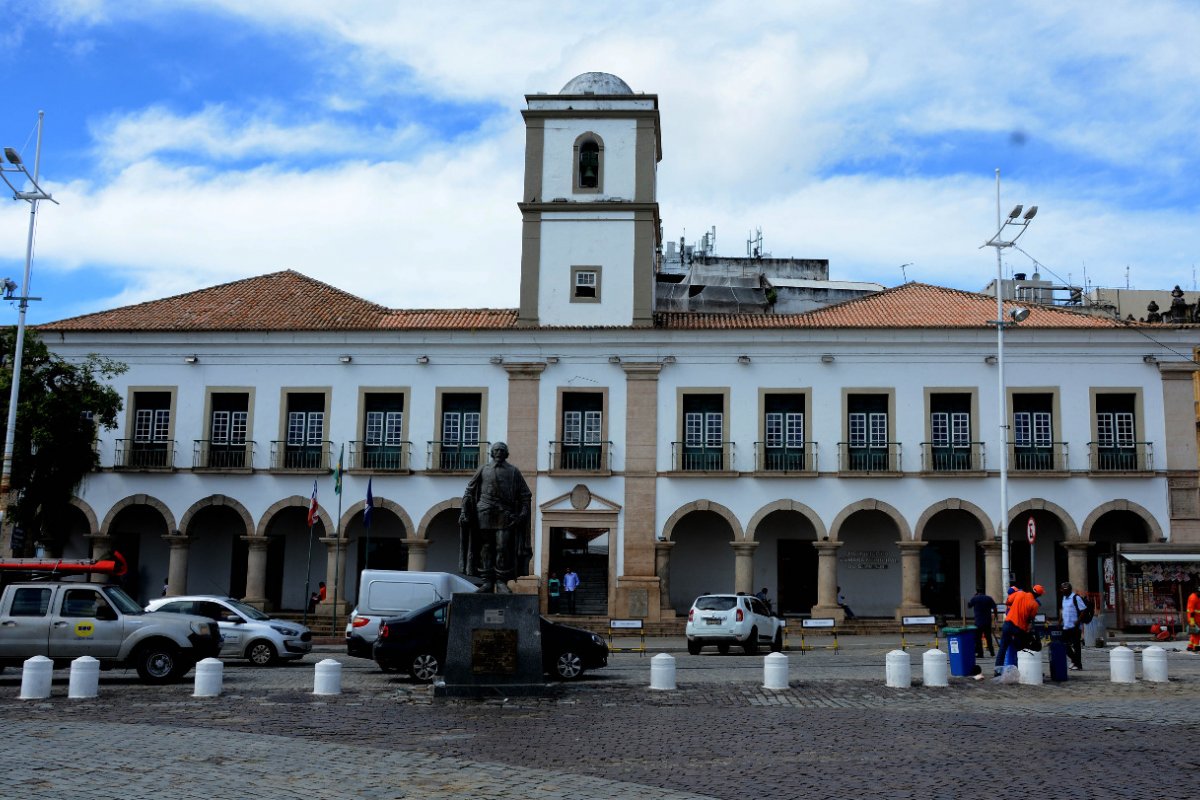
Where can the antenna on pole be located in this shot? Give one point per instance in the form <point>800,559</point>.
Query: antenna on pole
<point>903,271</point>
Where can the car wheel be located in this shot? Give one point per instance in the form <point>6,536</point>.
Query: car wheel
<point>424,667</point>
<point>777,645</point>
<point>723,649</point>
<point>262,653</point>
<point>693,648</point>
<point>751,645</point>
<point>158,662</point>
<point>568,666</point>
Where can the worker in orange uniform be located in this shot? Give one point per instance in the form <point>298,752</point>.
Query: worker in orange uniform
<point>1018,621</point>
<point>1193,620</point>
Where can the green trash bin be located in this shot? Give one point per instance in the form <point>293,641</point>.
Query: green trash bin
<point>961,642</point>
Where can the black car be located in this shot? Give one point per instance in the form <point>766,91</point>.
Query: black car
<point>416,643</point>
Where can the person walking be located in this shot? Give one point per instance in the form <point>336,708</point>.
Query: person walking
<point>570,584</point>
<point>1193,620</point>
<point>1072,628</point>
<point>1014,634</point>
<point>984,608</point>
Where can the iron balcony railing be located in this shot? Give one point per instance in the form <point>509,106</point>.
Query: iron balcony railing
<point>776,458</point>
<point>456,457</point>
<point>1134,457</point>
<point>958,458</point>
<point>581,456</point>
<point>207,454</point>
<point>1050,457</point>
<point>133,454</point>
<point>381,457</point>
<point>882,457</point>
<point>301,457</point>
<point>710,457</point>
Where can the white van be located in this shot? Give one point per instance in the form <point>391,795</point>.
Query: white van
<point>384,593</point>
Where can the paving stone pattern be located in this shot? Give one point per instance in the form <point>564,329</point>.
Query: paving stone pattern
<point>719,735</point>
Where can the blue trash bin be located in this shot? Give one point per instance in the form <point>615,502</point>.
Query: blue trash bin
<point>961,642</point>
<point>1058,655</point>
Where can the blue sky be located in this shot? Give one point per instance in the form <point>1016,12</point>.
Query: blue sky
<point>378,146</point>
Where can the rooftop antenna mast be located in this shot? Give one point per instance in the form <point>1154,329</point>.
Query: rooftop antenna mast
<point>903,271</point>
<point>754,244</point>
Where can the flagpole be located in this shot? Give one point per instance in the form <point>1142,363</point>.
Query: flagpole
<point>337,543</point>
<point>312,522</point>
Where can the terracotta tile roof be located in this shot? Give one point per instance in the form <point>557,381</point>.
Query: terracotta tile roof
<point>911,305</point>
<point>279,301</point>
<point>289,301</point>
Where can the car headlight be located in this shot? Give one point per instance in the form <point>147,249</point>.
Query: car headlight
<point>596,639</point>
<point>285,631</point>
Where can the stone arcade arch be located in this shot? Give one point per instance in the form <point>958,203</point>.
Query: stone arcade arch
<point>82,535</point>
<point>786,560</point>
<point>138,527</point>
<point>438,534</point>
<point>951,567</point>
<point>1056,535</point>
<point>1109,525</point>
<point>878,563</point>
<point>391,529</point>
<point>702,559</point>
<point>283,540</point>
<point>214,532</point>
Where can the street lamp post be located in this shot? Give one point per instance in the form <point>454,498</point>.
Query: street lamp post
<point>18,178</point>
<point>1015,225</point>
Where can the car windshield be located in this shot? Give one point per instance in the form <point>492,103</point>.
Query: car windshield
<point>715,603</point>
<point>249,612</point>
<point>124,603</point>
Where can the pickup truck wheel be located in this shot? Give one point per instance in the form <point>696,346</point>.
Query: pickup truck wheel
<point>262,653</point>
<point>424,667</point>
<point>158,662</point>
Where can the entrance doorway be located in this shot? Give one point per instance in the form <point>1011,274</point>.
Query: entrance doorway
<point>940,577</point>
<point>584,550</point>
<point>797,560</point>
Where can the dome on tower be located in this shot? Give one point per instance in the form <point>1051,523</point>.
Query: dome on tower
<point>596,83</point>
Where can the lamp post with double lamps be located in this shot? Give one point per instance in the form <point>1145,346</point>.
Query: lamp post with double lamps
<point>25,187</point>
<point>1013,227</point>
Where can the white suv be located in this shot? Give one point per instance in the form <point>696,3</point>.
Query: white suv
<point>725,619</point>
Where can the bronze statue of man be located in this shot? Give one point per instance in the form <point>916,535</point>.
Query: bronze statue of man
<point>494,541</point>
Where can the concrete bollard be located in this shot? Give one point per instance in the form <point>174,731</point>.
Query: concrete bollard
<point>1154,664</point>
<point>209,673</point>
<point>35,678</point>
<point>1029,665</point>
<point>662,672</point>
<point>899,670</point>
<point>935,668</point>
<point>85,678</point>
<point>1120,665</point>
<point>775,671</point>
<point>327,678</point>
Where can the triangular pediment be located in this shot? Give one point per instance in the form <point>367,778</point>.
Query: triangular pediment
<point>581,499</point>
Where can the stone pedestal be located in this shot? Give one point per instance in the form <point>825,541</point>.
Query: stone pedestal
<point>637,598</point>
<point>993,581</point>
<point>417,549</point>
<point>494,647</point>
<point>827,604</point>
<point>177,565</point>
<point>256,571</point>
<point>335,568</point>
<point>662,569</point>
<point>1077,564</point>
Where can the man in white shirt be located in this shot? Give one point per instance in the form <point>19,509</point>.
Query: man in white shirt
<point>1072,604</point>
<point>570,584</point>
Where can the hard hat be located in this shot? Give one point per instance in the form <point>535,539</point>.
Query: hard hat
<point>1038,590</point>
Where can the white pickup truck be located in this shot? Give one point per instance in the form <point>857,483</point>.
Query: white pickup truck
<point>67,619</point>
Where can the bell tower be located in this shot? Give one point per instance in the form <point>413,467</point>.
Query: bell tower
<point>590,206</point>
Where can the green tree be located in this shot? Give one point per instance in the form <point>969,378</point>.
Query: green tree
<point>60,408</point>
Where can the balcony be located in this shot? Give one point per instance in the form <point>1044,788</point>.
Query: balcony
<point>711,457</point>
<point>315,457</point>
<point>941,458</point>
<point>222,456</point>
<point>456,457</point>
<point>1050,457</point>
<point>381,457</point>
<point>879,458</point>
<point>798,460</point>
<point>593,457</point>
<point>1134,457</point>
<point>129,454</point>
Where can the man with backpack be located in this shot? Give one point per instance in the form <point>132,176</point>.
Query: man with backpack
<point>1072,607</point>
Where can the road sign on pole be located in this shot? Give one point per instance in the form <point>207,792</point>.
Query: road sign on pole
<point>1031,530</point>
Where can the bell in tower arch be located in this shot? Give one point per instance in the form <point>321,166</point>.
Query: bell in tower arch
<point>589,165</point>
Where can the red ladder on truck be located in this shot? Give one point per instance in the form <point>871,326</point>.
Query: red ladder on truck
<point>69,566</point>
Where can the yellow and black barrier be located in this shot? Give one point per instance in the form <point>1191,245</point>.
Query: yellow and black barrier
<point>623,627</point>
<point>819,626</point>
<point>923,624</point>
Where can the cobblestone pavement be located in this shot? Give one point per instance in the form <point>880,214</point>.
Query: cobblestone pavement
<point>837,731</point>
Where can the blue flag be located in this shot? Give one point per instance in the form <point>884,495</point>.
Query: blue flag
<point>370,505</point>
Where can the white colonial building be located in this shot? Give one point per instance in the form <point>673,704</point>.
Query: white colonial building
<point>669,452</point>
